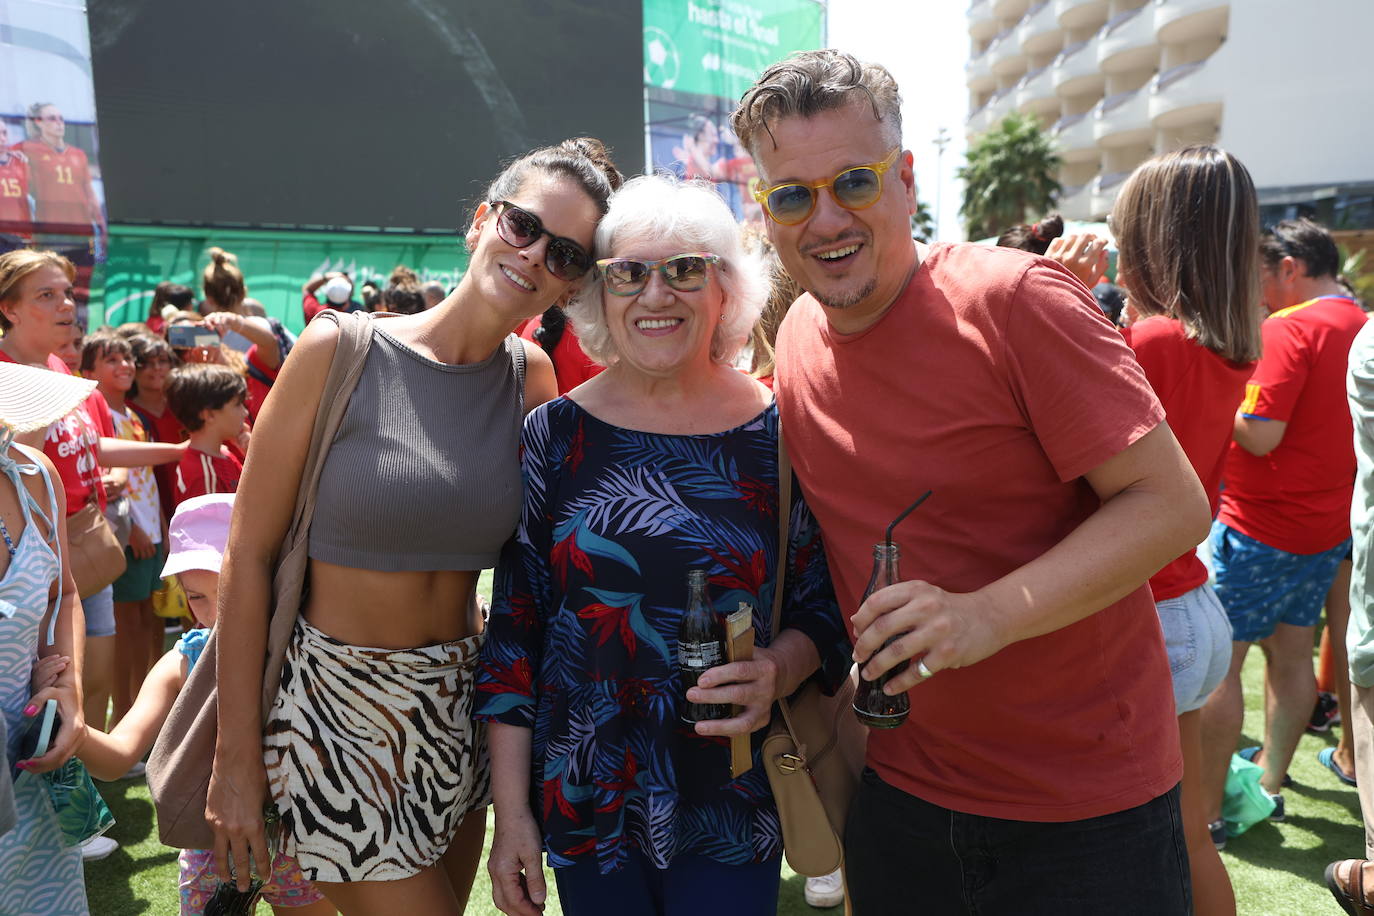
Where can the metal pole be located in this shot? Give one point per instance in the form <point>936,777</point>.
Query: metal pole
<point>941,141</point>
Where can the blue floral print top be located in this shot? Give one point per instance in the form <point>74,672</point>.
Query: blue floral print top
<point>581,646</point>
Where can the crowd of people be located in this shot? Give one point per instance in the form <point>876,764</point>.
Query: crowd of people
<point>597,410</point>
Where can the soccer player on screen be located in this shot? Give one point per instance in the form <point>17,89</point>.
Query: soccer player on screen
<point>14,187</point>
<point>60,175</point>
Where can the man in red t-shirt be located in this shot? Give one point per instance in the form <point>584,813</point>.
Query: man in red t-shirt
<point>15,217</point>
<point>1284,525</point>
<point>1038,768</point>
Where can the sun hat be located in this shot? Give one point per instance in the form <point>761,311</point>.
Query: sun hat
<point>337,290</point>
<point>197,533</point>
<point>33,398</point>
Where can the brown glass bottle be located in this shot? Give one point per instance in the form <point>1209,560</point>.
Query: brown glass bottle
<point>873,707</point>
<point>700,645</point>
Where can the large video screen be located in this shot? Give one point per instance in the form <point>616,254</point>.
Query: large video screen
<point>350,113</point>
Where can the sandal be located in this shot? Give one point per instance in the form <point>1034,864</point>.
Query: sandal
<point>1353,901</point>
<point>1327,758</point>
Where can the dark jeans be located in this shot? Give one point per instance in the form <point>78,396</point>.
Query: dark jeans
<point>905,856</point>
<point>691,885</point>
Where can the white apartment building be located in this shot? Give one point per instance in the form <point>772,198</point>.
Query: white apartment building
<point>1285,85</point>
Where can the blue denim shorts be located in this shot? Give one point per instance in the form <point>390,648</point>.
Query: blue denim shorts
<point>1197,635</point>
<point>99,610</point>
<point>1262,586</point>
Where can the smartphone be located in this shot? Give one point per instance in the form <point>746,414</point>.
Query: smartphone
<point>191,337</point>
<point>42,729</point>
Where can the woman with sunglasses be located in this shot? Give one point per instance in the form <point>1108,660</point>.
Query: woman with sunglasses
<point>380,776</point>
<point>664,464</point>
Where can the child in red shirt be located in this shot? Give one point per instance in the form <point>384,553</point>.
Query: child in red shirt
<point>210,402</point>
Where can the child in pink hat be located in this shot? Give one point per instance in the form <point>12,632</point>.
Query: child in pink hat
<point>196,536</point>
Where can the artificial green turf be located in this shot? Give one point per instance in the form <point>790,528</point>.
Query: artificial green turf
<point>1276,868</point>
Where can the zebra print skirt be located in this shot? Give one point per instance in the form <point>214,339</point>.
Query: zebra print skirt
<point>372,755</point>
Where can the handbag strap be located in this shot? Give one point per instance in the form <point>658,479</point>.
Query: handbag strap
<point>780,578</point>
<point>350,355</point>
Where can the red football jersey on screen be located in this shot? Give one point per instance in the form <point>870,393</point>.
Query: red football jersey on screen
<point>14,191</point>
<point>60,180</point>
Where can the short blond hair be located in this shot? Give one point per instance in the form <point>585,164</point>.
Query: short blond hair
<point>657,207</point>
<point>16,265</point>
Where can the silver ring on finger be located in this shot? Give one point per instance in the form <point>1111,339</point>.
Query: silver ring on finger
<point>923,670</point>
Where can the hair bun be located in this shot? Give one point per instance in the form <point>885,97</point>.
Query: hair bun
<point>1048,229</point>
<point>220,257</point>
<point>403,277</point>
<point>594,150</point>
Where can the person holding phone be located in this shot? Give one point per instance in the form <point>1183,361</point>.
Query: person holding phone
<point>39,616</point>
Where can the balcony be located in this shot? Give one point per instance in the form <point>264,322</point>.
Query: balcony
<point>1185,95</point>
<point>1073,134</point>
<point>1103,192</point>
<point>1035,92</point>
<point>1009,9</point>
<point>1123,119</point>
<point>1177,21</point>
<point>1001,105</point>
<point>982,24</point>
<point>1076,202</point>
<point>978,121</point>
<point>1039,31</point>
<point>1075,70</point>
<point>978,73</point>
<point>1128,42</point>
<point>1073,14</point>
<point>1007,60</point>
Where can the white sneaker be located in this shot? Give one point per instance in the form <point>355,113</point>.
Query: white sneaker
<point>825,891</point>
<point>97,848</point>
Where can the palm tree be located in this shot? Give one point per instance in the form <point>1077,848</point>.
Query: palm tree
<point>923,223</point>
<point>1009,175</point>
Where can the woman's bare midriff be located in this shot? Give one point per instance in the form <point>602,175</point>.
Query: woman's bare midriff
<point>390,610</point>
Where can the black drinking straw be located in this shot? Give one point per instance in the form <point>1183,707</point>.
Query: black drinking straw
<point>905,512</point>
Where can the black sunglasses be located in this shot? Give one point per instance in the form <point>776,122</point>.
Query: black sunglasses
<point>564,258</point>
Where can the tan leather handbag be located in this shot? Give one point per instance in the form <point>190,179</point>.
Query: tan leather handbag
<point>96,557</point>
<point>179,767</point>
<point>814,751</point>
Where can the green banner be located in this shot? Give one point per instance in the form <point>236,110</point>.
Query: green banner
<point>719,47</point>
<point>275,264</point>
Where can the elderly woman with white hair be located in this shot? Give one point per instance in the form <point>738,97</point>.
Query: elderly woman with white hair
<point>663,464</point>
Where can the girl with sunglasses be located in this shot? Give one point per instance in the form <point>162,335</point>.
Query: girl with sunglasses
<point>380,776</point>
<point>664,463</point>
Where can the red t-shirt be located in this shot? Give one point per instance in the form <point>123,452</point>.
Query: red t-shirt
<point>1297,497</point>
<point>994,381</point>
<point>571,366</point>
<point>257,389</point>
<point>199,474</point>
<point>73,442</point>
<point>1200,392</point>
<point>14,191</point>
<point>61,182</point>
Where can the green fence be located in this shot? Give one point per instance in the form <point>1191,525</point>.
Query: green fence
<point>275,264</point>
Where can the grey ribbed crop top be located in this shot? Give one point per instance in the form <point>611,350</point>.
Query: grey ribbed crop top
<point>424,473</point>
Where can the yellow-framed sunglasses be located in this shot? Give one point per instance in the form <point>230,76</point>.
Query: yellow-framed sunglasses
<point>856,188</point>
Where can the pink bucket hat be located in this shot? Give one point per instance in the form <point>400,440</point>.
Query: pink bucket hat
<point>198,532</point>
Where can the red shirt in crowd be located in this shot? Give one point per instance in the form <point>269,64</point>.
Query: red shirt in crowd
<point>571,366</point>
<point>995,382</point>
<point>61,182</point>
<point>73,444</point>
<point>1297,497</point>
<point>1200,392</point>
<point>257,389</point>
<point>199,474</point>
<point>14,191</point>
